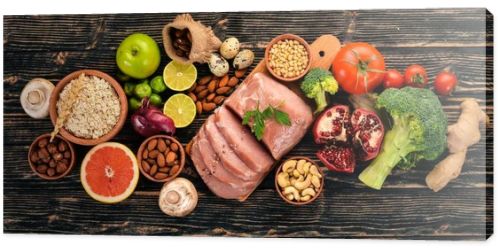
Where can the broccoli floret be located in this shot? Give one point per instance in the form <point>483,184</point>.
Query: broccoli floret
<point>316,84</point>
<point>418,132</point>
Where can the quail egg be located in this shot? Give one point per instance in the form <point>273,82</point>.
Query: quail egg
<point>229,48</point>
<point>244,59</point>
<point>218,65</point>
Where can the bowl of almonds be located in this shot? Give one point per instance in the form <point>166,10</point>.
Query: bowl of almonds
<point>161,158</point>
<point>299,181</point>
<point>51,160</point>
<point>288,57</point>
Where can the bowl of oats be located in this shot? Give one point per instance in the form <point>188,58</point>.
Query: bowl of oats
<point>88,107</point>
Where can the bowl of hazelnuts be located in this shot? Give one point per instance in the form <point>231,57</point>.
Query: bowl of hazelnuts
<point>51,160</point>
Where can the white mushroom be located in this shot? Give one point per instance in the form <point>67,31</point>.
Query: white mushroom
<point>178,197</point>
<point>35,97</point>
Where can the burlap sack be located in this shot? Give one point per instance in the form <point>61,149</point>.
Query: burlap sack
<point>203,43</point>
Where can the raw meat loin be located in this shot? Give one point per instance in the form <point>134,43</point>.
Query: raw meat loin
<point>265,91</point>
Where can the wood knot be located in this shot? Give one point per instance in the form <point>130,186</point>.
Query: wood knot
<point>11,80</point>
<point>60,57</point>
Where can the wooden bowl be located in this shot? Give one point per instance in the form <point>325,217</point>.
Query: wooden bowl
<point>290,37</point>
<point>298,203</point>
<point>121,96</point>
<point>181,157</point>
<point>34,145</point>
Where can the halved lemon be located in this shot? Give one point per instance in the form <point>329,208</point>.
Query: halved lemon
<point>179,76</point>
<point>181,109</point>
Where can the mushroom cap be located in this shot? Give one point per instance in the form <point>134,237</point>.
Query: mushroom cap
<point>35,97</point>
<point>178,197</point>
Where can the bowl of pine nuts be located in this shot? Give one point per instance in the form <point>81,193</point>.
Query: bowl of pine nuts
<point>288,57</point>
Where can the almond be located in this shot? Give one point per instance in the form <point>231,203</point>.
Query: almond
<point>240,73</point>
<point>160,176</point>
<point>202,94</point>
<point>163,169</point>
<point>174,147</point>
<point>153,154</point>
<point>145,166</point>
<point>198,107</point>
<point>200,88</point>
<point>152,144</point>
<point>219,99</point>
<point>210,97</point>
<point>204,80</point>
<point>192,96</point>
<point>171,156</point>
<point>208,106</point>
<point>223,90</point>
<point>153,170</point>
<point>162,147</point>
<point>233,81</point>
<point>188,147</point>
<point>212,85</point>
<point>160,160</point>
<point>223,81</point>
<point>145,154</point>
<point>174,169</point>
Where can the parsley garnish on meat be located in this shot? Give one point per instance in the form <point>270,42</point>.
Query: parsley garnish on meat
<point>256,119</point>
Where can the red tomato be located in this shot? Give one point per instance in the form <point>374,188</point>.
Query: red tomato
<point>393,79</point>
<point>445,82</point>
<point>359,68</point>
<point>416,76</point>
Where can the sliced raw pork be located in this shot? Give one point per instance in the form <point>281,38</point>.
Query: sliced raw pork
<point>242,141</point>
<point>265,91</point>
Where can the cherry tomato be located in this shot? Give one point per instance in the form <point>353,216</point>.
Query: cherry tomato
<point>359,68</point>
<point>393,79</point>
<point>445,82</point>
<point>416,76</point>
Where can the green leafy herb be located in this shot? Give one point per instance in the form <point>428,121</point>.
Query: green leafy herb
<point>256,119</point>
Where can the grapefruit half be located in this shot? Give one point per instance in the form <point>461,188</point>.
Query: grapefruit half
<point>109,172</point>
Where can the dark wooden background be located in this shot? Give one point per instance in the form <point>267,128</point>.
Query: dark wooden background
<point>52,46</point>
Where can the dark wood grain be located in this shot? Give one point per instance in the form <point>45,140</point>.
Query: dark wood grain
<point>52,46</point>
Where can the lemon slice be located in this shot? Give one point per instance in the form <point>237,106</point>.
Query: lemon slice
<point>179,76</point>
<point>181,109</point>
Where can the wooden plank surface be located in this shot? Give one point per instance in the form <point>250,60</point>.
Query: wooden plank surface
<point>52,46</point>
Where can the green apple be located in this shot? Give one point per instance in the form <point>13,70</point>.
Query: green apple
<point>138,56</point>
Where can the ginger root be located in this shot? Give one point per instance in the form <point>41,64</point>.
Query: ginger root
<point>461,135</point>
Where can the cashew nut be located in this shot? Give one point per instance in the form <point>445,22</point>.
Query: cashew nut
<point>289,166</point>
<point>296,173</point>
<point>292,190</point>
<point>308,191</point>
<point>283,179</point>
<point>315,181</point>
<point>303,184</point>
<point>300,165</point>
<point>306,166</point>
<point>305,198</point>
<point>289,197</point>
<point>314,170</point>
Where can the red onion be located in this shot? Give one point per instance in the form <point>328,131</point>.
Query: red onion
<point>148,120</point>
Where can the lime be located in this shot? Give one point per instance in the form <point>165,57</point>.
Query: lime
<point>181,109</point>
<point>179,76</point>
<point>155,99</point>
<point>142,90</point>
<point>157,84</point>
<point>129,88</point>
<point>134,103</point>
